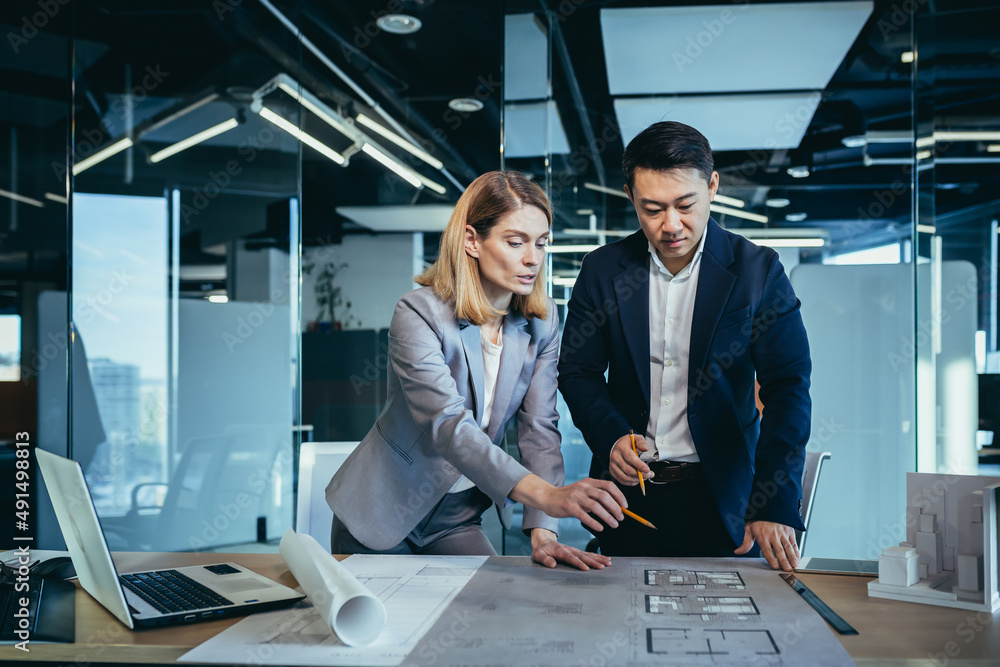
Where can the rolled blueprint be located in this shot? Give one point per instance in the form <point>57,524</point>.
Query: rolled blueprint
<point>355,615</point>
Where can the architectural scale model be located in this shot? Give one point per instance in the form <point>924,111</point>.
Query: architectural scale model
<point>949,557</point>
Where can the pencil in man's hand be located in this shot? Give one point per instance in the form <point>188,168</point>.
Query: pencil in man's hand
<point>638,518</point>
<point>642,483</point>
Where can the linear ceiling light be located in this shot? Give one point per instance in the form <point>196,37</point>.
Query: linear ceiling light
<point>790,243</point>
<point>993,148</point>
<point>102,155</point>
<point>390,164</point>
<point>735,212</point>
<point>556,249</point>
<point>569,231</point>
<point>304,100</point>
<point>732,201</point>
<point>193,140</point>
<point>966,136</point>
<point>307,139</point>
<point>608,191</point>
<point>926,229</point>
<point>21,198</point>
<point>400,141</point>
<point>59,199</point>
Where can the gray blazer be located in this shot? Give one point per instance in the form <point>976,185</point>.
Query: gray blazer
<point>429,433</point>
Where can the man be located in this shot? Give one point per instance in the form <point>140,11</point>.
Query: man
<point>683,316</point>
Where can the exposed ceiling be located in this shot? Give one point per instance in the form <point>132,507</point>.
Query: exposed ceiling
<point>774,86</point>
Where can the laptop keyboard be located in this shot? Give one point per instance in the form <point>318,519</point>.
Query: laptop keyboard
<point>170,591</point>
<point>10,603</point>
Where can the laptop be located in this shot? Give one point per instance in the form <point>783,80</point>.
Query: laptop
<point>155,597</point>
<point>851,566</point>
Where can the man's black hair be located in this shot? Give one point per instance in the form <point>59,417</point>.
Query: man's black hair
<point>668,145</point>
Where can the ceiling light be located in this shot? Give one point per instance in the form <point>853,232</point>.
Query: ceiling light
<point>585,211</point>
<point>193,140</point>
<point>569,231</point>
<point>102,155</point>
<point>778,202</point>
<point>608,191</point>
<point>390,164</point>
<point>399,24</point>
<point>945,135</point>
<point>799,171</point>
<point>756,217</point>
<point>400,141</point>
<point>855,141</point>
<point>926,229</point>
<point>465,104</point>
<point>732,201</point>
<point>993,148</point>
<point>21,198</point>
<point>59,199</point>
<point>906,57</point>
<point>924,142</point>
<point>564,281</point>
<point>218,298</point>
<point>556,249</point>
<point>303,99</point>
<point>790,243</point>
<point>307,139</point>
<point>888,137</point>
<point>923,155</point>
<point>796,217</point>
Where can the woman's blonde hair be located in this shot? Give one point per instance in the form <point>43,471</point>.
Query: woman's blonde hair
<point>455,273</point>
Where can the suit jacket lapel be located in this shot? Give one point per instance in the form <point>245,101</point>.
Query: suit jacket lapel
<point>632,292</point>
<point>473,345</point>
<point>515,345</point>
<point>715,283</point>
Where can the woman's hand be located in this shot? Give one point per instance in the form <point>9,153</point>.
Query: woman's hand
<point>546,550</point>
<point>581,499</point>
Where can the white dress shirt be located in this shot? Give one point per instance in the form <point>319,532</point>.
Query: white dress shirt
<point>491,367</point>
<point>671,309</point>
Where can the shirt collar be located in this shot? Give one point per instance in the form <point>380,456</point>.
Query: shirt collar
<point>686,271</point>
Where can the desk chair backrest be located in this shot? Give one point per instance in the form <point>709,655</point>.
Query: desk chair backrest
<point>318,461</point>
<point>810,478</point>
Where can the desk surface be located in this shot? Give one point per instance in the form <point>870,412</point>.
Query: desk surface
<point>890,632</point>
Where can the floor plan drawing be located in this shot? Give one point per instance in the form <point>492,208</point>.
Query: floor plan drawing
<point>639,611</point>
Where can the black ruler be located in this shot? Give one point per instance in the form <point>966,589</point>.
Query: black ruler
<point>829,615</point>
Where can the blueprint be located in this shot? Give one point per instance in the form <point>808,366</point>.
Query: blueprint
<point>414,589</point>
<point>638,611</point>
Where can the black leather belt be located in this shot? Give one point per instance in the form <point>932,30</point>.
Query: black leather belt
<point>665,472</point>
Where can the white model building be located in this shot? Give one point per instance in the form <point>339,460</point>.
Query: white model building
<point>949,557</point>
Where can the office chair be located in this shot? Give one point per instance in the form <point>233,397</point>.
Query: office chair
<point>810,478</point>
<point>318,461</point>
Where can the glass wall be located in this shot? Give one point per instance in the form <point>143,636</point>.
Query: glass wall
<point>209,210</point>
<point>826,127</point>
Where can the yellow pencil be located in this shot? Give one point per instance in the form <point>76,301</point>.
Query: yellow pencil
<point>642,483</point>
<point>638,518</point>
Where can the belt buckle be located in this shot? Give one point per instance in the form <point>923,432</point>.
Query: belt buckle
<point>669,471</point>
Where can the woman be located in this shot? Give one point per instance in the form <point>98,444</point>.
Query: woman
<point>472,348</point>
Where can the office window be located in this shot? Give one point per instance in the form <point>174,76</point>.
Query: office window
<point>120,313</point>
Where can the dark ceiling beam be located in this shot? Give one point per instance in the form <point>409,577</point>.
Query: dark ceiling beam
<point>559,43</point>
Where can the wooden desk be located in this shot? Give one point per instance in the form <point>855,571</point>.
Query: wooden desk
<point>891,633</point>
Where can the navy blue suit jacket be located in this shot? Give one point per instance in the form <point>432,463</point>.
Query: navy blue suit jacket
<point>746,323</point>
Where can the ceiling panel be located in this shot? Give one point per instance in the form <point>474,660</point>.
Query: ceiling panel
<point>731,122</point>
<point>429,218</point>
<point>525,59</point>
<point>728,48</point>
<point>525,130</point>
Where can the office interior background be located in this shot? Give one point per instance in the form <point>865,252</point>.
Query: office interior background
<point>208,210</point>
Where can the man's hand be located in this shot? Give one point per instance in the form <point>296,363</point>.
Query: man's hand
<point>624,462</point>
<point>777,544</point>
<point>546,550</point>
<point>599,498</point>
